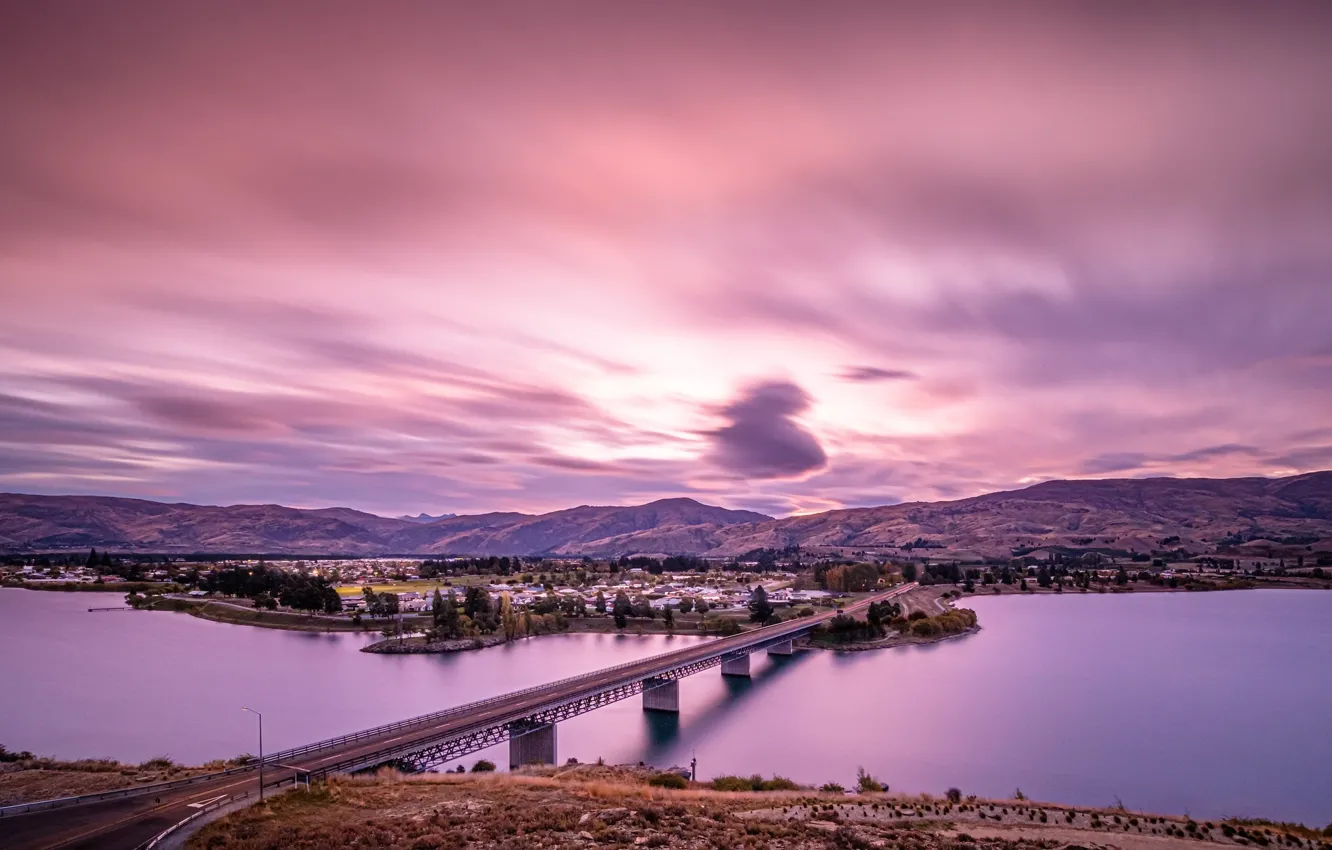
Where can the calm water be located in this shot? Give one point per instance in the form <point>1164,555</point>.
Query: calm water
<point>1212,704</point>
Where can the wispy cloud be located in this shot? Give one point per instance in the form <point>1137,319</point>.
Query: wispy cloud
<point>394,262</point>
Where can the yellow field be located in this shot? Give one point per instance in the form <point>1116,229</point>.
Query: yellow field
<point>394,587</point>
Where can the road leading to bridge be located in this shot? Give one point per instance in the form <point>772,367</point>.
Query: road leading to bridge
<point>130,822</point>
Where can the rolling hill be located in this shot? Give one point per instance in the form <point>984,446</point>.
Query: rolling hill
<point>1200,515</point>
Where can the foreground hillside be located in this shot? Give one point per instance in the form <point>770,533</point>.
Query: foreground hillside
<point>588,806</point>
<point>1129,515</point>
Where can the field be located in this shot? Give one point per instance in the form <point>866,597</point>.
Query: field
<point>427,587</point>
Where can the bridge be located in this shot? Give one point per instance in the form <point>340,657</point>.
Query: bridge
<point>526,719</point>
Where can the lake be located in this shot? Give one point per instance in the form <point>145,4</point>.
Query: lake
<point>1209,704</point>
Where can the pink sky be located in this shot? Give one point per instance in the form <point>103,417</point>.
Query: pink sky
<point>775,255</point>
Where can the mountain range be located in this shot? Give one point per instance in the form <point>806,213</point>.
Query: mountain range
<point>1198,514</point>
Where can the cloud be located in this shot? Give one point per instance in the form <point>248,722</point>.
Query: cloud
<point>763,439</point>
<point>1113,462</point>
<point>353,279</point>
<point>870,374</point>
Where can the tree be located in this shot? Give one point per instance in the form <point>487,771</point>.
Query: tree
<point>449,623</point>
<point>686,605</point>
<point>332,601</point>
<point>372,606</point>
<point>760,609</point>
<point>436,609</point>
<point>622,609</point>
<point>92,559</point>
<point>476,603</point>
<point>601,602</point>
<point>508,619</point>
<point>668,618</point>
<point>909,572</point>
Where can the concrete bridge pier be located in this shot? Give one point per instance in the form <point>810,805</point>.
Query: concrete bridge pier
<point>531,743</point>
<point>661,695</point>
<point>783,648</point>
<point>736,666</point>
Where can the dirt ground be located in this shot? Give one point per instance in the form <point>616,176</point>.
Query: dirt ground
<point>600,807</point>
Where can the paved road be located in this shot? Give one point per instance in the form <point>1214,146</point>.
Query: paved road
<point>125,824</point>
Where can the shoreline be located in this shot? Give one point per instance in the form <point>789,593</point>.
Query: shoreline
<point>893,641</point>
<point>232,613</point>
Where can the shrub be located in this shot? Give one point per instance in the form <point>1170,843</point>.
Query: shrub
<point>867,783</point>
<point>7,756</point>
<point>753,783</point>
<point>718,625</point>
<point>924,628</point>
<point>833,788</point>
<point>669,780</point>
<point>483,766</point>
<point>917,615</point>
<point>158,763</point>
<point>954,795</point>
<point>732,783</point>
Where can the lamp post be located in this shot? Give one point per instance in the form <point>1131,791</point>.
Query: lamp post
<point>261,750</point>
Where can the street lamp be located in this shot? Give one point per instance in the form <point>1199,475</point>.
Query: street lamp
<point>261,750</point>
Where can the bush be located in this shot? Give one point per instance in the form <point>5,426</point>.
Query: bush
<point>924,628</point>
<point>917,615</point>
<point>669,780</point>
<point>719,626</point>
<point>753,783</point>
<point>483,766</point>
<point>867,783</point>
<point>7,756</point>
<point>159,763</point>
<point>954,795</point>
<point>833,788</point>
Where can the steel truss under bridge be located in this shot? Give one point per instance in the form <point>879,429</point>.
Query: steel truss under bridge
<point>422,756</point>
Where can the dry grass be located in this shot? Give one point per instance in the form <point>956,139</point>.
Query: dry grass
<point>30,780</point>
<point>591,805</point>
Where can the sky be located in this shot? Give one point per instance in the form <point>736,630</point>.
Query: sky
<point>783,256</point>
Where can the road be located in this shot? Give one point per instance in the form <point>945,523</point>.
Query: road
<point>127,823</point>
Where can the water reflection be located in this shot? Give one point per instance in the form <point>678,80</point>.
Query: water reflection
<point>664,730</point>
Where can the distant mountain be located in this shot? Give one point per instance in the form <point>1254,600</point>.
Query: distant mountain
<point>424,517</point>
<point>1201,515</point>
<point>1197,514</point>
<point>45,523</point>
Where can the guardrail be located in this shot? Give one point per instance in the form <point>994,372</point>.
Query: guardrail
<point>668,661</point>
<point>203,810</point>
<point>137,791</point>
